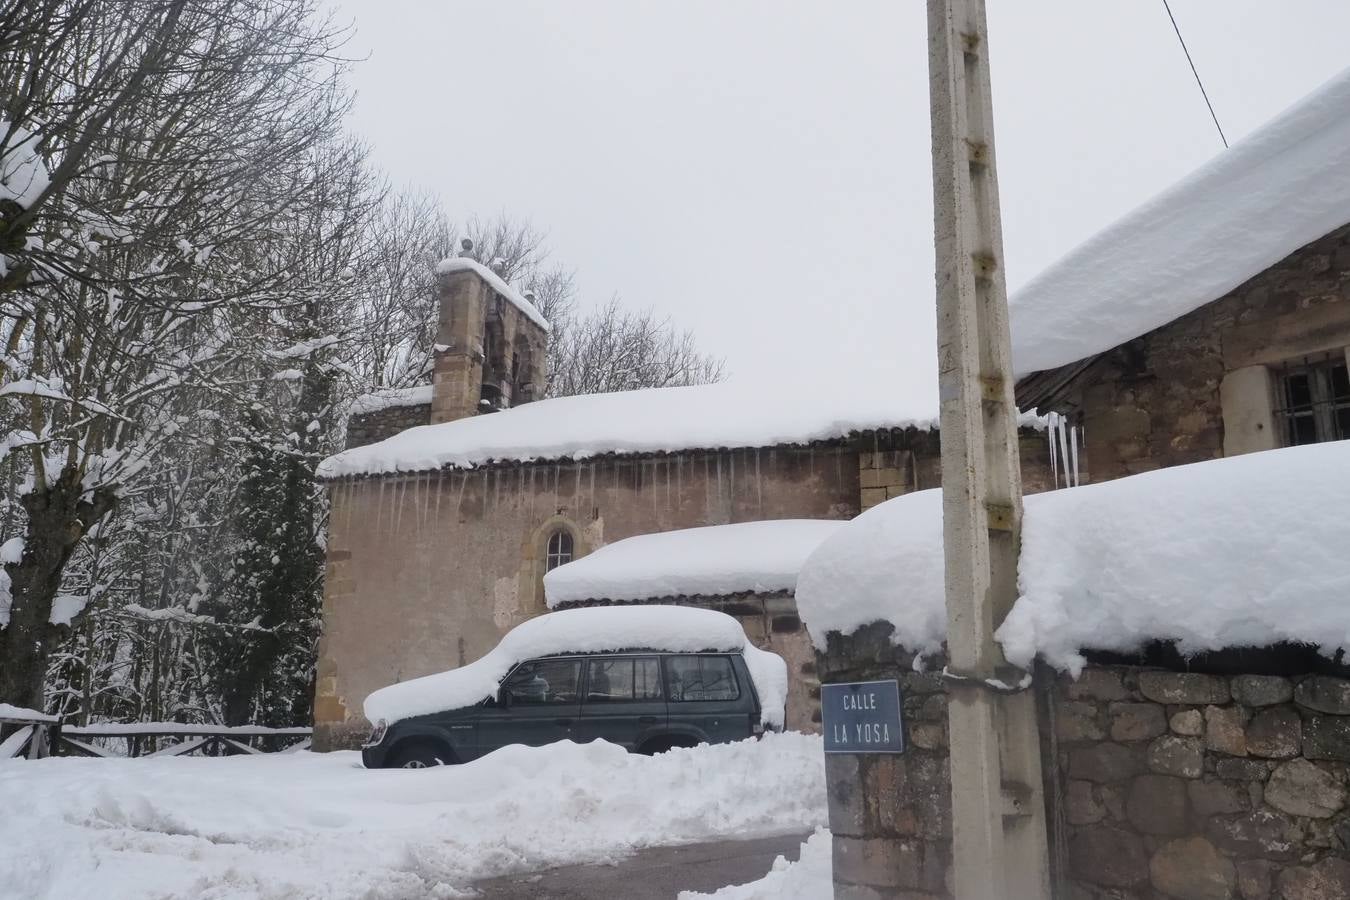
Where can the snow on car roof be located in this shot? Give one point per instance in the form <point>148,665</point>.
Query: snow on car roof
<point>1283,186</point>
<point>1246,551</point>
<point>589,630</point>
<point>759,557</point>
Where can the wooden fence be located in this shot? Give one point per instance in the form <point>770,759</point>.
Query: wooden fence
<point>37,736</point>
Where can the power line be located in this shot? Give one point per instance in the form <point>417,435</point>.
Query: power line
<point>1203,92</point>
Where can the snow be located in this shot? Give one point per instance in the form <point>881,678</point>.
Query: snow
<point>1283,186</point>
<point>390,397</point>
<point>732,414</point>
<point>318,825</point>
<point>588,630</point>
<point>23,174</point>
<point>8,711</point>
<point>759,557</point>
<point>463,264</point>
<point>66,607</point>
<point>1246,551</point>
<point>811,877</point>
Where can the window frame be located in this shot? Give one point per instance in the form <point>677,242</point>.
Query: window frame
<point>1324,405</point>
<point>726,657</point>
<point>563,555</point>
<point>580,681</point>
<point>618,657</point>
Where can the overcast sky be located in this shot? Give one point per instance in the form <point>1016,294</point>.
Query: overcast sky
<point>760,172</point>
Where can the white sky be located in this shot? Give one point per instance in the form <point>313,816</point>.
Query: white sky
<point>759,169</point>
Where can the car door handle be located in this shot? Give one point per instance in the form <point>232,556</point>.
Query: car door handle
<point>647,720</point>
<point>562,721</point>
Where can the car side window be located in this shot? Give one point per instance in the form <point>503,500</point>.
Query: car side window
<point>701,678</point>
<point>545,681</point>
<point>625,678</point>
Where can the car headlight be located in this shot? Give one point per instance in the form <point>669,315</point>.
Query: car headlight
<point>377,734</point>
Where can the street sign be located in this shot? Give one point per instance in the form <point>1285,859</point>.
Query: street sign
<point>862,717</point>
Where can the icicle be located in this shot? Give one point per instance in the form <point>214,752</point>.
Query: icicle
<point>1050,435</point>
<point>1062,427</point>
<point>1073,452</point>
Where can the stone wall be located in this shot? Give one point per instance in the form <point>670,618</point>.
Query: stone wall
<point>1204,787</point>
<point>1196,388</point>
<point>375,426</point>
<point>1160,785</point>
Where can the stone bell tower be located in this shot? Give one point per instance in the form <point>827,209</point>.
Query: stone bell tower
<point>491,343</point>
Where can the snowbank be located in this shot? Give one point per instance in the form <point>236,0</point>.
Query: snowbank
<point>718,559</point>
<point>1245,551</point>
<point>729,414</point>
<point>463,264</point>
<point>24,714</point>
<point>589,630</point>
<point>1284,185</point>
<point>809,878</point>
<point>317,825</point>
<point>417,395</point>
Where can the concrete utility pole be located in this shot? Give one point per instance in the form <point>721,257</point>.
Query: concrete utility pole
<point>998,807</point>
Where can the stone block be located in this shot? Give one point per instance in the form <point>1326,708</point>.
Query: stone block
<point>1324,694</point>
<point>1275,733</point>
<point>1260,833</point>
<point>1212,797</point>
<point>1261,690</point>
<point>872,496</point>
<point>1137,721</point>
<point>1242,769</point>
<point>1076,721</point>
<point>878,862</point>
<point>1254,879</point>
<point>1327,880</point>
<point>1082,806</point>
<point>1107,856</point>
<point>928,735</point>
<point>1157,804</point>
<point>1104,763</point>
<point>844,794</point>
<point>1098,684</point>
<point>1192,869</point>
<point>1182,756</point>
<point>1189,722</point>
<point>1301,788</point>
<point>1327,737</point>
<point>1225,730</point>
<point>1183,688</point>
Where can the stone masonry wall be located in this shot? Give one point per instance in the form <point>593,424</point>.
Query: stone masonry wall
<point>1159,400</point>
<point>373,427</point>
<point>1204,787</point>
<point>1160,785</point>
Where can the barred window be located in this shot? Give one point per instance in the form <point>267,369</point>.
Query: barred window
<point>559,549</point>
<point>1314,398</point>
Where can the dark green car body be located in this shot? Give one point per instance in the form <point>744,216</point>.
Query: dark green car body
<point>642,701</point>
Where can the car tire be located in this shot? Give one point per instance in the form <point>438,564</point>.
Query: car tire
<point>420,755</point>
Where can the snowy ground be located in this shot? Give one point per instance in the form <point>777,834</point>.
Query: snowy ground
<point>809,878</point>
<point>317,825</point>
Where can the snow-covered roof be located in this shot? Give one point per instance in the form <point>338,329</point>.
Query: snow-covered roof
<point>1246,551</point>
<point>1283,186</point>
<point>758,557</point>
<point>589,630</point>
<point>388,398</point>
<point>726,415</point>
<point>464,264</point>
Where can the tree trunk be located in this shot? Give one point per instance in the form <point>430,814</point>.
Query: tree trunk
<point>58,518</point>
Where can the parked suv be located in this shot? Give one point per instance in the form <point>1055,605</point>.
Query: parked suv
<point>645,701</point>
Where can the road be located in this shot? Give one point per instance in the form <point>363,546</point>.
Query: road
<point>659,873</point>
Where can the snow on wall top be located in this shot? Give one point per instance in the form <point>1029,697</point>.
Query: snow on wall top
<point>464,264</point>
<point>1281,187</point>
<point>590,630</point>
<point>388,398</point>
<point>1239,552</point>
<point>726,415</point>
<point>759,557</point>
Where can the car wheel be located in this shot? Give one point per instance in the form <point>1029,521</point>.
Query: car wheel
<point>420,755</point>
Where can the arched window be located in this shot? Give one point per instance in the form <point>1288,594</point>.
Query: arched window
<point>559,549</point>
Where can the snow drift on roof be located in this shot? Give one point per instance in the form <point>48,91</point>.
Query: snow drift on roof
<point>388,398</point>
<point>1283,186</point>
<point>591,630</point>
<point>463,264</point>
<point>729,414</point>
<point>1240,552</point>
<point>759,557</point>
